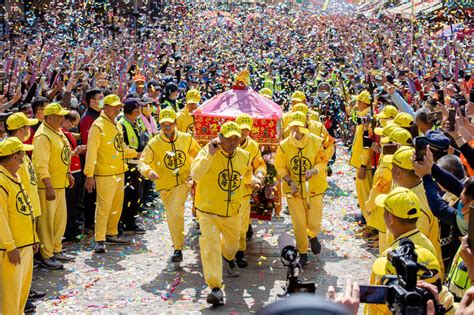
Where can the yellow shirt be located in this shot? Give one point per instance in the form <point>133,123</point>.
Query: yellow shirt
<point>185,121</point>
<point>256,160</point>
<point>360,156</point>
<point>17,219</point>
<point>317,128</point>
<point>220,181</point>
<point>106,150</point>
<point>295,157</point>
<point>51,156</point>
<point>382,184</point>
<point>28,178</point>
<point>171,160</point>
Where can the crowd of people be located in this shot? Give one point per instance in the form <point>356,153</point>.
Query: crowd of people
<point>97,121</point>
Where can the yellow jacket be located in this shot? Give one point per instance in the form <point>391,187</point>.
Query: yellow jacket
<point>317,128</point>
<point>51,156</point>
<point>106,150</point>
<point>220,181</point>
<point>382,184</point>
<point>295,157</point>
<point>360,156</point>
<point>171,160</point>
<point>28,178</point>
<point>185,121</point>
<point>256,160</point>
<point>17,219</point>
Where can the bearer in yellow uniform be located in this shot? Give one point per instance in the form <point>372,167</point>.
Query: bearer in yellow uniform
<point>167,160</point>
<point>361,158</point>
<point>18,238</point>
<point>404,175</point>
<point>185,117</point>
<point>105,167</point>
<point>221,171</point>
<point>51,159</point>
<point>301,164</point>
<point>259,171</point>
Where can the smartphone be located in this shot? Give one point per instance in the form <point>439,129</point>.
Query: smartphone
<point>403,72</point>
<point>389,149</point>
<point>373,294</point>
<point>452,119</point>
<point>420,148</point>
<point>470,228</point>
<point>441,96</point>
<point>435,117</point>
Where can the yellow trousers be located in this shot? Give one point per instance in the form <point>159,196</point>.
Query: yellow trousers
<point>52,222</point>
<point>219,237</point>
<point>363,187</point>
<point>244,223</point>
<point>306,221</point>
<point>109,205</point>
<point>15,281</point>
<point>173,201</point>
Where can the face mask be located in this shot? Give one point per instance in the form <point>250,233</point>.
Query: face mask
<point>323,95</point>
<point>147,111</point>
<point>101,103</point>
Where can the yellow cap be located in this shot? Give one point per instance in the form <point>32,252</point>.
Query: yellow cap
<point>18,120</point>
<point>193,96</point>
<point>167,115</point>
<point>388,111</point>
<point>298,97</point>
<point>364,97</point>
<point>300,107</point>
<point>12,145</point>
<point>402,157</point>
<point>112,100</point>
<point>382,265</point>
<point>401,202</point>
<point>297,119</point>
<point>244,121</point>
<point>386,131</point>
<point>266,92</point>
<point>400,136</point>
<point>55,109</point>
<point>230,129</point>
<point>404,120</point>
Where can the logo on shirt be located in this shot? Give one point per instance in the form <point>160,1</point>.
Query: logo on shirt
<point>190,129</point>
<point>233,182</point>
<point>299,165</point>
<point>174,159</point>
<point>22,204</point>
<point>66,154</point>
<point>118,142</point>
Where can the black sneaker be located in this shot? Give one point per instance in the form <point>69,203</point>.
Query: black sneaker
<point>135,230</point>
<point>29,307</point>
<point>216,297</point>
<point>303,260</point>
<point>116,240</point>
<point>249,232</point>
<point>232,268</point>
<point>240,259</point>
<point>99,247</point>
<point>36,295</point>
<point>177,256</point>
<point>315,245</point>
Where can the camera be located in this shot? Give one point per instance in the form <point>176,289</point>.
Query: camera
<point>290,257</point>
<point>399,292</point>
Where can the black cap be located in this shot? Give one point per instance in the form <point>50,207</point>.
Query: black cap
<point>131,104</point>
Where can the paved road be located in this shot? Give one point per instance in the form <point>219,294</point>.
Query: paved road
<point>140,277</point>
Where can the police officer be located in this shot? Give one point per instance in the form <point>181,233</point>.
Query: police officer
<point>221,171</point>
<point>166,160</point>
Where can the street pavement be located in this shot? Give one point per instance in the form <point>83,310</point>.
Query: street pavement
<point>140,278</point>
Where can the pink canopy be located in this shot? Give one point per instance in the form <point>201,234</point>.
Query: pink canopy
<point>226,106</point>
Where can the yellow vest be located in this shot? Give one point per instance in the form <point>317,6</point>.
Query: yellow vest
<point>256,160</point>
<point>17,219</point>
<point>106,150</point>
<point>295,157</point>
<point>360,156</point>
<point>185,121</point>
<point>170,160</point>
<point>220,181</point>
<point>51,156</point>
<point>28,178</point>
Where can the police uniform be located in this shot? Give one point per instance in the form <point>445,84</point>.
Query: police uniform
<point>171,160</point>
<point>17,231</point>
<point>51,159</point>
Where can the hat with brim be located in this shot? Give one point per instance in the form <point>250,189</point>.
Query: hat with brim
<point>112,100</point>
<point>18,120</point>
<point>401,202</point>
<point>230,129</point>
<point>13,145</point>
<point>402,157</point>
<point>167,115</point>
<point>55,109</point>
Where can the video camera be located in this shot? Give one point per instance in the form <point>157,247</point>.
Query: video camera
<point>400,293</point>
<point>289,257</point>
